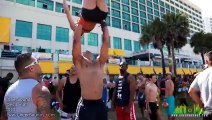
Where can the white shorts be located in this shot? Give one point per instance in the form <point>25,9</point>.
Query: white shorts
<point>67,116</point>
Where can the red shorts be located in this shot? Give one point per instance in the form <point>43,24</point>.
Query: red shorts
<point>121,115</point>
<point>86,25</point>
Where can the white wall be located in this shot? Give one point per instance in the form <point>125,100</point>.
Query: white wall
<point>36,15</point>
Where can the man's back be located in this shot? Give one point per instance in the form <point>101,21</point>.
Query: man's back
<point>18,100</point>
<point>204,81</point>
<point>91,79</point>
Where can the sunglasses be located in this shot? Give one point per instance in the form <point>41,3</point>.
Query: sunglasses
<point>33,63</point>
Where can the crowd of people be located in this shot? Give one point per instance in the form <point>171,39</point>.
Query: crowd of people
<point>85,94</point>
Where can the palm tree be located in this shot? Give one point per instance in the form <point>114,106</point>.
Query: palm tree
<point>201,43</point>
<point>153,33</point>
<point>177,31</point>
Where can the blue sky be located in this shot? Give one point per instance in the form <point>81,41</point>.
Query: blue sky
<point>205,5</point>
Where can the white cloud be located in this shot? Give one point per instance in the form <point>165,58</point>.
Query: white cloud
<point>205,5</point>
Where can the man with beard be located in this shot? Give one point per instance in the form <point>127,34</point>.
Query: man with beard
<point>124,95</point>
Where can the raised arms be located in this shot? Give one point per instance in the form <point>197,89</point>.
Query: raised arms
<point>105,44</point>
<point>76,51</point>
<point>68,14</point>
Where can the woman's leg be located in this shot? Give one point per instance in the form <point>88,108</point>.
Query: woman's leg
<point>101,4</point>
<point>89,4</point>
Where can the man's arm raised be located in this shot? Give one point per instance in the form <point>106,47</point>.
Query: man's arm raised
<point>105,44</point>
<point>76,49</point>
<point>68,14</point>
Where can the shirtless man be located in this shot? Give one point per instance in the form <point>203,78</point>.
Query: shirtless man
<point>93,11</point>
<point>91,75</point>
<point>151,92</point>
<point>169,98</point>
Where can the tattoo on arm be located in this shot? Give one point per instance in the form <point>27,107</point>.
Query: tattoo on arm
<point>44,107</point>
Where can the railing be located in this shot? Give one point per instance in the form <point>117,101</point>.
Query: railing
<point>9,54</point>
<point>49,56</point>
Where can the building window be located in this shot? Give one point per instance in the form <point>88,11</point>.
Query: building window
<point>167,6</point>
<point>83,39</point>
<point>149,10</point>
<point>142,1</point>
<point>156,1</point>
<point>126,25</point>
<point>137,46</point>
<point>19,48</point>
<point>77,1</point>
<point>62,34</point>
<point>116,22</point>
<point>44,32</point>
<point>115,5</point>
<point>23,29</point>
<point>161,3</point>
<point>135,28</point>
<point>172,8</point>
<point>45,4</point>
<point>143,21</point>
<point>108,2</point>
<point>167,11</point>
<point>125,16</point>
<point>125,2</point>
<point>108,20</point>
<point>142,14</point>
<point>134,4</point>
<point>116,13</point>
<point>149,3</point>
<point>125,8</point>
<point>75,11</point>
<point>156,13</point>
<point>156,7</point>
<point>162,9</point>
<point>135,19</point>
<point>134,11</point>
<point>127,44</point>
<point>146,47</point>
<point>117,43</point>
<point>142,7</point>
<point>150,17</point>
<point>26,2</point>
<point>59,8</point>
<point>93,39</point>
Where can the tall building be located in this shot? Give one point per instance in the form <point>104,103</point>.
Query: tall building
<point>208,25</point>
<point>34,24</point>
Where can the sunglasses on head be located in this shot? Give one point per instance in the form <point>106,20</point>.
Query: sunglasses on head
<point>33,63</point>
